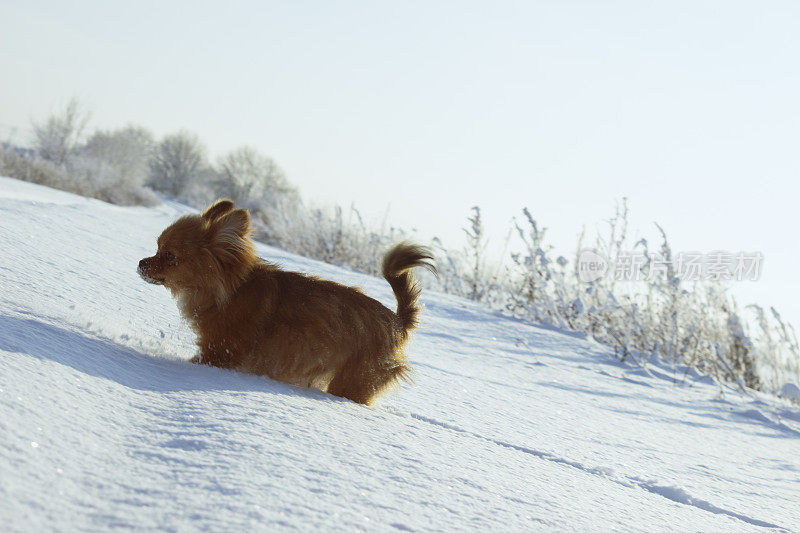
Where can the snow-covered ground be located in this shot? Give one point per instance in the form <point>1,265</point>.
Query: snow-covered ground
<point>509,426</point>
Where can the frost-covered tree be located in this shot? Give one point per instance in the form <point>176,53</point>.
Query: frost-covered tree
<point>250,178</point>
<point>126,151</point>
<point>177,160</point>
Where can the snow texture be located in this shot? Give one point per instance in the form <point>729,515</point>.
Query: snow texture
<point>508,426</point>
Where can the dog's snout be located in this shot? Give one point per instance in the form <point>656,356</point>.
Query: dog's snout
<point>145,271</point>
<point>143,266</point>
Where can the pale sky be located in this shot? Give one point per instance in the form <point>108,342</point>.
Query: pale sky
<point>690,109</point>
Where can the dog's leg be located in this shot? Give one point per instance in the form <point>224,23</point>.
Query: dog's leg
<point>348,386</point>
<point>364,383</point>
<point>219,357</point>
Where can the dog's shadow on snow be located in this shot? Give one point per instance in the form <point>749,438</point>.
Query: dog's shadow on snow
<point>130,368</point>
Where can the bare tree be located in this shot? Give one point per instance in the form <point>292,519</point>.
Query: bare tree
<point>176,161</point>
<point>58,137</point>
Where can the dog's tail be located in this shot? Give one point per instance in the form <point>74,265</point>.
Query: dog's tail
<point>397,265</point>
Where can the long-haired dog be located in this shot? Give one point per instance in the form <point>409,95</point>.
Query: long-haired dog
<point>253,317</point>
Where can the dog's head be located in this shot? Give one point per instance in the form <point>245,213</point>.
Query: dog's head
<point>205,253</point>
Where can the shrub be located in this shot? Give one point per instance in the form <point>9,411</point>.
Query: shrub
<point>16,165</point>
<point>101,179</point>
<point>330,235</point>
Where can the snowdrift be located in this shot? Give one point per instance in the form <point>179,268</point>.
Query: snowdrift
<point>508,426</point>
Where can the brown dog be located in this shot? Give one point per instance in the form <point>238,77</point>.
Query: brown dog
<point>251,316</point>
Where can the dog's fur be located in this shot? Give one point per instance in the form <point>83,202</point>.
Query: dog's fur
<point>253,317</point>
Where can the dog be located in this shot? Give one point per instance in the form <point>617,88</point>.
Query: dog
<point>251,316</point>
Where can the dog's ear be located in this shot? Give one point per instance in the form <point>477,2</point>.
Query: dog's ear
<point>218,209</point>
<point>234,224</point>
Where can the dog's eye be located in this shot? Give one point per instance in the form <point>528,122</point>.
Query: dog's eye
<point>169,256</point>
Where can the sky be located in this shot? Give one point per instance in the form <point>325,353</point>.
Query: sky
<point>691,110</point>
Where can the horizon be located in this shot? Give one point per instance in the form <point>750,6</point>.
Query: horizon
<point>427,110</point>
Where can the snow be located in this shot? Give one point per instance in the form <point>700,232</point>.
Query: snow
<point>508,425</point>
<point>790,391</point>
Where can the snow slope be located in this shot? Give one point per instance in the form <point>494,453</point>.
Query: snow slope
<point>509,426</point>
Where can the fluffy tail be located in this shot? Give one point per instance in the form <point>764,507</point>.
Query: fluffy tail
<point>397,265</point>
